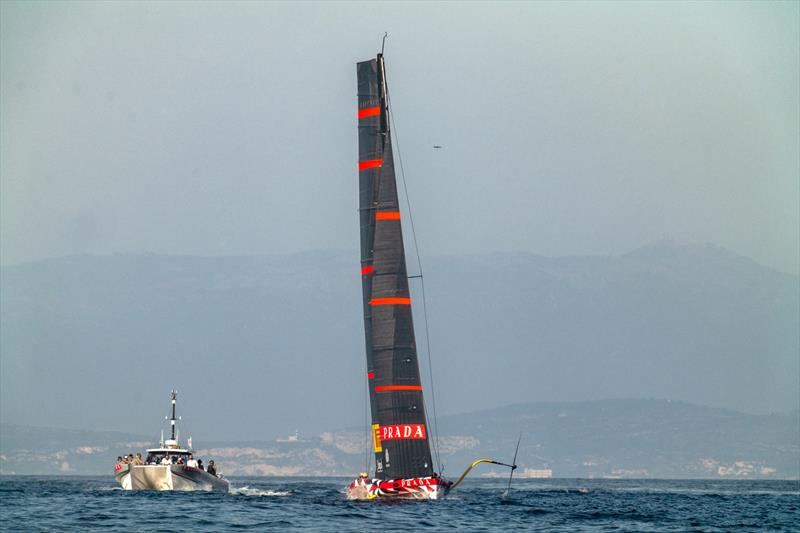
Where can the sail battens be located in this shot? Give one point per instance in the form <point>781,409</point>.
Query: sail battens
<point>397,347</point>
<point>369,112</point>
<point>390,301</point>
<point>389,388</point>
<point>370,163</point>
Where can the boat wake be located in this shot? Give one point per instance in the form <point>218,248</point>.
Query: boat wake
<point>247,491</point>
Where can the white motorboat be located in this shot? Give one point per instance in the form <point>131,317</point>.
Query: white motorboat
<point>169,467</point>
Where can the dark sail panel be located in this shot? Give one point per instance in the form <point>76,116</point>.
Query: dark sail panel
<point>400,432</point>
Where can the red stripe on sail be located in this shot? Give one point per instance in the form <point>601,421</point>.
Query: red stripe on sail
<point>369,112</point>
<point>390,301</point>
<point>387,215</point>
<point>367,269</point>
<point>370,163</point>
<point>386,388</point>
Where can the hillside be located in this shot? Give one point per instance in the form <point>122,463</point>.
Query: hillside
<point>260,346</point>
<point>611,438</point>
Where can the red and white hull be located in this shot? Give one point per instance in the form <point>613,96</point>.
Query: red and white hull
<point>419,488</point>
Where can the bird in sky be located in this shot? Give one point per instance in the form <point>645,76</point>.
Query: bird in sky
<point>436,146</point>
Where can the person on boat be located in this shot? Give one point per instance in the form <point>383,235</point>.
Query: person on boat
<point>200,464</point>
<point>167,460</point>
<point>179,461</point>
<point>192,462</point>
<point>211,470</point>
<point>138,459</point>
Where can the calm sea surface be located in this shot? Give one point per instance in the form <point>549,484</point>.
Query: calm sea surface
<point>318,504</point>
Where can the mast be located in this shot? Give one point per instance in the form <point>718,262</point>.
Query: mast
<point>172,420</point>
<point>399,428</point>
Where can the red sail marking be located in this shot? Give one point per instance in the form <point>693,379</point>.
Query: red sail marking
<point>367,269</point>
<point>387,215</point>
<point>390,301</point>
<point>370,163</point>
<point>370,375</point>
<point>386,388</point>
<point>369,112</point>
<point>409,483</point>
<point>403,431</point>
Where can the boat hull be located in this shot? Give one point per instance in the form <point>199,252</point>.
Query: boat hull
<point>421,488</point>
<point>168,477</point>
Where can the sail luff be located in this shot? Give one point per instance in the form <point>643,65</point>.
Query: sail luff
<point>400,436</point>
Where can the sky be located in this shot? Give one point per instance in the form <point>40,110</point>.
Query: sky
<point>222,129</point>
<point>567,128</point>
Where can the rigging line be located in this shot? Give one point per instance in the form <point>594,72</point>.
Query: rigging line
<point>367,427</point>
<point>422,284</point>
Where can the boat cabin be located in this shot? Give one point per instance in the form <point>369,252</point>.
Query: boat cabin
<point>170,449</point>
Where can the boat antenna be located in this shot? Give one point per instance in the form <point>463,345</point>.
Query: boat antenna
<point>172,420</point>
<point>383,42</point>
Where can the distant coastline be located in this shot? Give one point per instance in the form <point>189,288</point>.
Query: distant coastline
<point>609,439</point>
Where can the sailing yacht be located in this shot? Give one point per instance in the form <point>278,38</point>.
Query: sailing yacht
<point>400,436</point>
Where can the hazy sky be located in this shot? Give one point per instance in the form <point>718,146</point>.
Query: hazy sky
<point>568,128</point>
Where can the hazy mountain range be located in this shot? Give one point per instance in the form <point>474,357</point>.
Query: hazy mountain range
<point>611,438</point>
<point>260,346</point>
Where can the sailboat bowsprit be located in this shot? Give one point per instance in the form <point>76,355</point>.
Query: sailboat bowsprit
<point>400,437</point>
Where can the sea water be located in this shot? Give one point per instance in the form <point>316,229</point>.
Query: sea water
<point>319,504</point>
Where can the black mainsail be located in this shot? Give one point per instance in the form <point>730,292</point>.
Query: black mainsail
<point>399,428</point>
